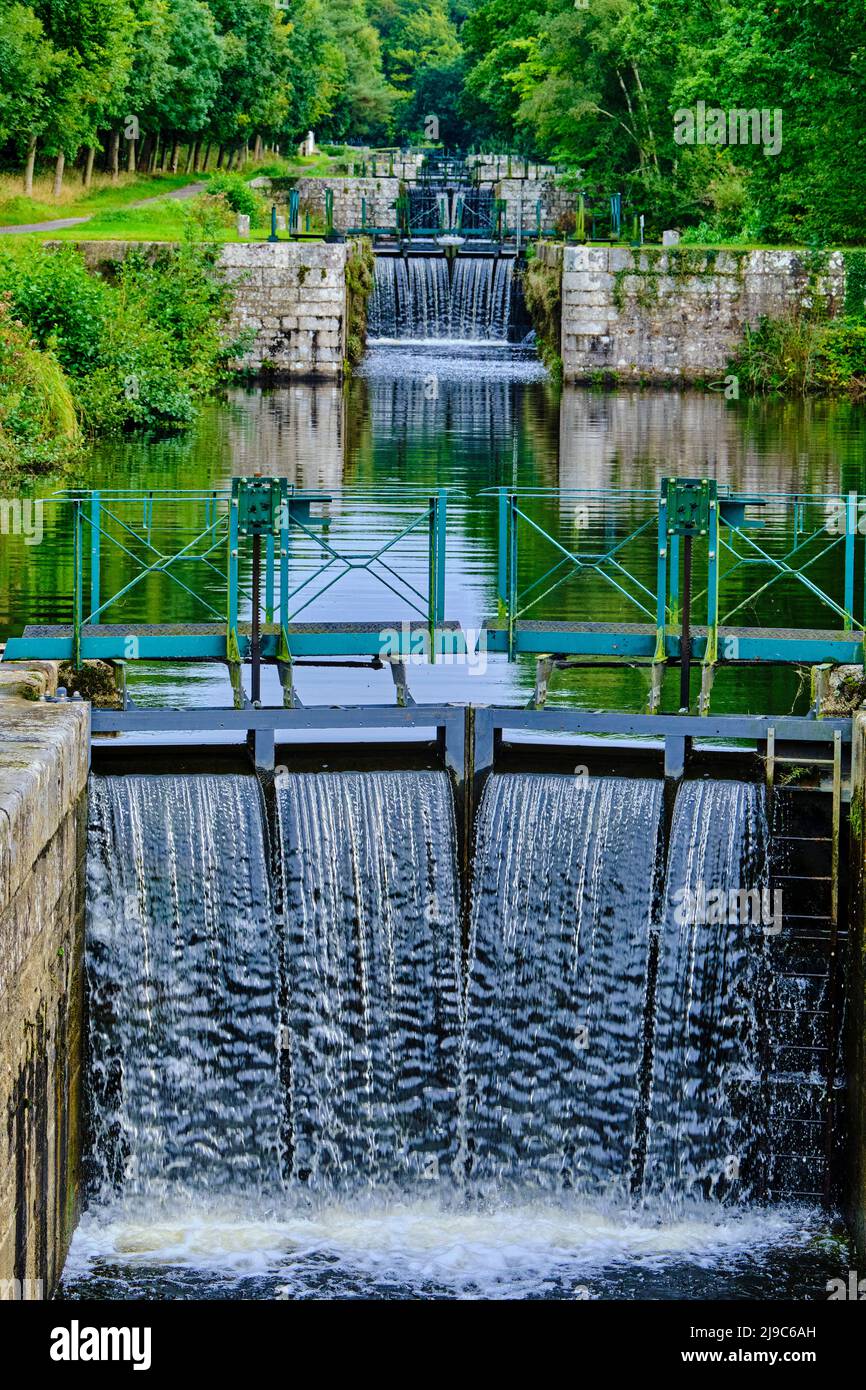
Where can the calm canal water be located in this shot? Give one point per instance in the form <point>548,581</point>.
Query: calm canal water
<point>469,418</point>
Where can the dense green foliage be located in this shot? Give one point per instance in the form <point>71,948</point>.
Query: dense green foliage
<point>137,81</point>
<point>595,85</point>
<point>598,86</point>
<point>135,353</point>
<point>801,356</point>
<point>38,418</point>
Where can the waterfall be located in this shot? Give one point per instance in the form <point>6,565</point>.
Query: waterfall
<point>372,944</point>
<point>477,210</point>
<point>706,1124</point>
<point>297,1088</point>
<point>182,977</point>
<point>425,207</point>
<point>561,931</point>
<point>415,297</point>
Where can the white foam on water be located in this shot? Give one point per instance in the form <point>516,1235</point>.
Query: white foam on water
<point>504,1250</point>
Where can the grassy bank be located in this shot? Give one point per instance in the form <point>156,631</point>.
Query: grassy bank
<point>104,196</point>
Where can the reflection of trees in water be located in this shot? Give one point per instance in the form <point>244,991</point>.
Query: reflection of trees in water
<point>294,432</point>
<point>455,430</point>
<point>633,438</point>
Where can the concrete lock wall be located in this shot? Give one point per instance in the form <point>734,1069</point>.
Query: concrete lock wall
<point>679,312</point>
<point>522,198</point>
<point>375,198</point>
<point>44,751</point>
<point>292,297</point>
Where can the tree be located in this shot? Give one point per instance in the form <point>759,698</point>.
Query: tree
<point>29,68</point>
<point>93,41</point>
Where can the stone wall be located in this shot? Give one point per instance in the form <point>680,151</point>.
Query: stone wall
<point>44,751</point>
<point>492,168</point>
<point>676,313</point>
<point>376,197</point>
<point>522,196</point>
<point>292,297</point>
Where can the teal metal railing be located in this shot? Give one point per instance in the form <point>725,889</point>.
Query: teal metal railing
<point>756,555</point>
<point>190,539</point>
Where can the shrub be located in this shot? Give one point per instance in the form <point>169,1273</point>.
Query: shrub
<point>138,352</point>
<point>238,194</point>
<point>38,418</point>
<point>803,356</point>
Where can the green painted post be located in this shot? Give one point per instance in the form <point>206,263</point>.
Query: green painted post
<point>850,537</point>
<point>712,652</point>
<point>232,652</point>
<point>95,537</point>
<point>674,576</point>
<point>269,577</point>
<point>661,579</point>
<point>441,536</point>
<point>512,574</point>
<point>284,569</point>
<point>502,554</point>
<point>78,585</point>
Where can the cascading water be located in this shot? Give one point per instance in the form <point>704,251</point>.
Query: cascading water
<point>427,202</point>
<point>373,975</point>
<point>561,928</point>
<point>707,1120</point>
<point>415,297</point>
<point>183,987</point>
<point>290,1097</point>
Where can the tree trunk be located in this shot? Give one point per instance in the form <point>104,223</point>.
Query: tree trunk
<point>145,152</point>
<point>130,157</point>
<point>206,159</point>
<point>175,154</point>
<point>191,155</point>
<point>114,155</point>
<point>29,166</point>
<point>220,157</point>
<point>257,149</point>
<point>154,156</point>
<point>87,176</point>
<point>58,174</point>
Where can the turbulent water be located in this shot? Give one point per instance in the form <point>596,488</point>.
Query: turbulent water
<point>706,1130</point>
<point>181,963</point>
<point>372,945</point>
<point>290,1097</point>
<point>558,967</point>
<point>418,297</point>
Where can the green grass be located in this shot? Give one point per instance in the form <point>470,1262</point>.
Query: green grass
<point>103,197</point>
<point>163,221</point>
